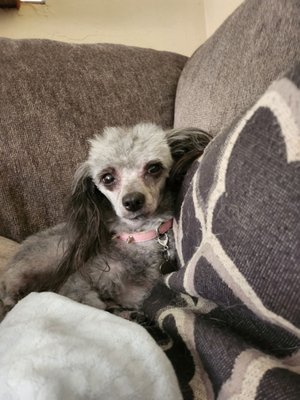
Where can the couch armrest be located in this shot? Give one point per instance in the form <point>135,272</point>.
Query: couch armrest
<point>233,68</point>
<point>8,248</point>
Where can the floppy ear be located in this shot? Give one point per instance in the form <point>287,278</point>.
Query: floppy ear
<point>186,145</point>
<point>86,229</point>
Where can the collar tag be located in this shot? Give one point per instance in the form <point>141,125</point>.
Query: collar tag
<point>130,239</point>
<point>163,240</point>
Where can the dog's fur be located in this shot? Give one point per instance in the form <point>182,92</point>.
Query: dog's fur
<point>128,183</point>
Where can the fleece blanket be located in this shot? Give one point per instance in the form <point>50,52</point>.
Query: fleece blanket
<point>53,348</point>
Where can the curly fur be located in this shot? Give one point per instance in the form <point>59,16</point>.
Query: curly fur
<point>128,183</point>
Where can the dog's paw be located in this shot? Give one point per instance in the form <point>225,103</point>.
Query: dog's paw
<point>90,298</point>
<point>5,306</point>
<point>132,315</point>
<point>8,299</point>
<point>2,311</point>
<point>120,312</point>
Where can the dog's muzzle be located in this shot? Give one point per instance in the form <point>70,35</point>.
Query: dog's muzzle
<point>133,201</point>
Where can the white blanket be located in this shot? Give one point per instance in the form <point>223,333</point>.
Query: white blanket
<point>52,348</point>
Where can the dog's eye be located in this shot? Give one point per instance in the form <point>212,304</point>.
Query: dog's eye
<point>107,179</point>
<point>154,169</point>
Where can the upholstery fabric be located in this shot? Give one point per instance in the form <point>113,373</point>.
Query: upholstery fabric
<point>233,309</point>
<point>229,72</point>
<point>8,248</point>
<point>53,96</point>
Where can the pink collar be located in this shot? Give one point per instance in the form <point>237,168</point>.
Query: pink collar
<point>138,237</point>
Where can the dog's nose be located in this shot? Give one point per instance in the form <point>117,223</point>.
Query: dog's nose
<point>133,201</point>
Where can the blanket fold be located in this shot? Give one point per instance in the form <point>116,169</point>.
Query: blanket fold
<point>53,348</point>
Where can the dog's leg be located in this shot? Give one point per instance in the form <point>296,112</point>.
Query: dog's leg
<point>78,289</point>
<point>32,268</point>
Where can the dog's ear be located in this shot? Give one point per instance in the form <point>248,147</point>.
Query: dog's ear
<point>86,229</point>
<point>186,145</point>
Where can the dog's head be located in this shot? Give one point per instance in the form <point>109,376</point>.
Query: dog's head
<point>125,175</point>
<point>130,167</point>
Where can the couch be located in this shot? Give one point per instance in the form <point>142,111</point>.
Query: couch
<point>230,317</point>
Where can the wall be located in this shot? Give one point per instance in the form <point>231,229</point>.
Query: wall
<point>174,25</point>
<point>216,11</point>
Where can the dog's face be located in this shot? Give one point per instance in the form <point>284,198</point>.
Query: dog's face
<point>130,167</point>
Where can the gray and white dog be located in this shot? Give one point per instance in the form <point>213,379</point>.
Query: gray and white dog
<point>119,228</point>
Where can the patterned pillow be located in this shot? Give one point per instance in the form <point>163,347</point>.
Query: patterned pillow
<point>234,305</point>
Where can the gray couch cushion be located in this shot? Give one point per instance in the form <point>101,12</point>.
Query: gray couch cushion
<point>53,97</point>
<point>234,67</point>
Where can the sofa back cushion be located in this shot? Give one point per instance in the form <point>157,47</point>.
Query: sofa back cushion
<point>53,97</point>
<point>229,72</point>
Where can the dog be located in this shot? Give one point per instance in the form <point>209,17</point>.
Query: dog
<point>118,237</point>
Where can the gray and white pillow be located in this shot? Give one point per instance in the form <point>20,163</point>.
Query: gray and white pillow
<point>234,307</point>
